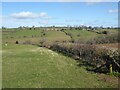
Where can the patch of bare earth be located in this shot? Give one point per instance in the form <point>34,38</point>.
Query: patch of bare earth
<point>111,45</point>
<point>109,79</point>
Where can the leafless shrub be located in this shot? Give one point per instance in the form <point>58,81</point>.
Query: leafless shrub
<point>27,42</point>
<point>90,54</point>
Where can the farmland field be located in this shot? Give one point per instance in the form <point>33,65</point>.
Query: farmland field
<point>82,34</point>
<point>27,66</point>
<point>35,36</point>
<point>59,44</point>
<point>37,67</point>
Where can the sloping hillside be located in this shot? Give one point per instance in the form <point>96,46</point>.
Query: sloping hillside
<point>27,66</point>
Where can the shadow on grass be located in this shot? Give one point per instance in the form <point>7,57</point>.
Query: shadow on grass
<point>93,68</point>
<point>80,62</point>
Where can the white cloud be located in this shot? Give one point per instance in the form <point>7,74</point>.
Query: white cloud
<point>42,14</point>
<point>113,10</point>
<point>23,15</point>
<point>24,19</point>
<point>29,15</point>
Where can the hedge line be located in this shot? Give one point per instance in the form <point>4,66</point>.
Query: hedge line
<point>90,54</point>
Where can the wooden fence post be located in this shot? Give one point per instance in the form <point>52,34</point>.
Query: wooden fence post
<point>110,68</point>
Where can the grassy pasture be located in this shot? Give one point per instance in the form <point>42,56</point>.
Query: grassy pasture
<point>26,66</point>
<point>21,35</point>
<point>82,34</point>
<point>85,35</point>
<point>33,36</point>
<point>56,36</point>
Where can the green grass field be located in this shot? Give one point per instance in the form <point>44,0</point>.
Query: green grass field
<point>21,35</point>
<point>34,36</point>
<point>56,36</point>
<point>27,66</point>
<point>83,34</point>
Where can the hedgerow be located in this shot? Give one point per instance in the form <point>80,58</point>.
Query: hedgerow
<point>90,54</point>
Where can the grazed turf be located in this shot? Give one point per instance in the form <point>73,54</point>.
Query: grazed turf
<point>27,66</point>
<point>33,36</point>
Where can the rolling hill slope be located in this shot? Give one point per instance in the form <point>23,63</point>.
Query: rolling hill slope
<point>27,66</point>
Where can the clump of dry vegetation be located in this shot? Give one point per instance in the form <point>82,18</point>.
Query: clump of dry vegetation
<point>98,58</point>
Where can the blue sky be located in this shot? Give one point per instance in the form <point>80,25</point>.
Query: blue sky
<point>15,14</point>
